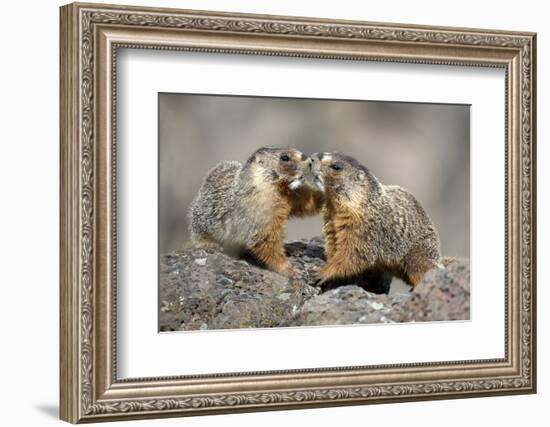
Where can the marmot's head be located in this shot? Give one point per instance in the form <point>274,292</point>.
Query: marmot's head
<point>341,176</point>
<point>283,166</point>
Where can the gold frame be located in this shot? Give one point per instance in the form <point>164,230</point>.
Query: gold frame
<point>90,36</point>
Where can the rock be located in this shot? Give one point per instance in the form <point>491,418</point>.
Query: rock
<point>308,256</point>
<point>443,294</point>
<point>346,305</point>
<point>206,289</point>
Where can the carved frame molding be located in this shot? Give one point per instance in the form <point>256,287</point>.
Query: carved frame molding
<point>90,37</point>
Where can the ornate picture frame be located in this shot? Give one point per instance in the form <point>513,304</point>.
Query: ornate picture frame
<point>90,37</point>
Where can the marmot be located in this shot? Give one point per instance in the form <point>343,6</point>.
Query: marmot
<point>371,227</point>
<point>243,208</point>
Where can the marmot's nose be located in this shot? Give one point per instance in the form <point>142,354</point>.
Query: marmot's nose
<point>304,157</point>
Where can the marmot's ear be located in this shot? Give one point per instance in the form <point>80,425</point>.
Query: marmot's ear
<point>360,175</point>
<point>256,159</point>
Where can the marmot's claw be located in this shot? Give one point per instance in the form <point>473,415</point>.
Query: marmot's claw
<point>321,284</point>
<point>319,281</point>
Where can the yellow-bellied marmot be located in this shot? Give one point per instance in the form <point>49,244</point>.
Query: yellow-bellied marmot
<point>369,226</point>
<point>243,208</point>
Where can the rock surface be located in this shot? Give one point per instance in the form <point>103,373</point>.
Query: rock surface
<point>344,305</point>
<point>207,289</point>
<point>442,295</point>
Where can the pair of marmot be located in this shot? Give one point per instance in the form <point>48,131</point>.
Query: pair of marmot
<point>368,226</point>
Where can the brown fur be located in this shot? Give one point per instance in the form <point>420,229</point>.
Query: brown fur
<point>304,202</point>
<point>285,203</point>
<point>270,246</point>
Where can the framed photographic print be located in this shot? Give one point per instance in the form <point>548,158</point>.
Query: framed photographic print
<point>266,212</point>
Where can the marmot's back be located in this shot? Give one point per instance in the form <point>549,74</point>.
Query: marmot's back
<point>407,226</point>
<point>215,201</point>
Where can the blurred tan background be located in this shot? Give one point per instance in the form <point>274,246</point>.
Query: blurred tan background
<point>422,147</point>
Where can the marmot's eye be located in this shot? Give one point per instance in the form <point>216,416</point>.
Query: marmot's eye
<point>285,158</point>
<point>336,166</point>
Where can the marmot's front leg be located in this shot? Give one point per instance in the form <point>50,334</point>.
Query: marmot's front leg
<point>339,266</point>
<point>270,250</point>
<point>330,239</point>
<point>342,247</point>
<point>272,254</point>
<point>343,261</point>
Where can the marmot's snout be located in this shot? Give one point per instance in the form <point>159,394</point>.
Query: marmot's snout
<point>315,174</point>
<point>302,171</point>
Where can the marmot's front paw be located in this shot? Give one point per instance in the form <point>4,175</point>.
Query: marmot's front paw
<point>322,276</point>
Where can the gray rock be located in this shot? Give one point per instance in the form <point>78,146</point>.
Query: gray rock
<point>443,294</point>
<point>346,305</point>
<point>207,289</point>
